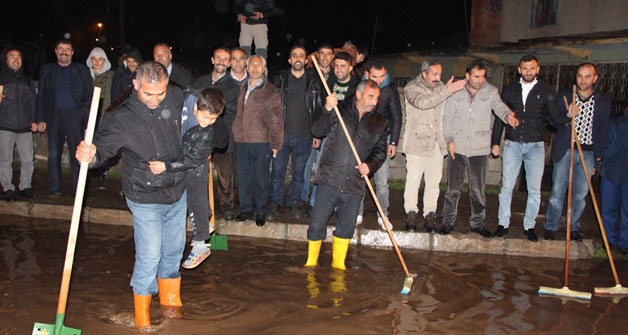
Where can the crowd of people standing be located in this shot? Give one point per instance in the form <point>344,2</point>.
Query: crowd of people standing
<point>249,124</point>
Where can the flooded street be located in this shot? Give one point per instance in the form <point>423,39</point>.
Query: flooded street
<point>259,287</point>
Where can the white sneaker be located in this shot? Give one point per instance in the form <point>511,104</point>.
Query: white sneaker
<point>380,221</point>
<point>358,220</point>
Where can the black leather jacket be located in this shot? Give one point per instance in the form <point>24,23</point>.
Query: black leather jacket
<point>313,97</point>
<point>198,144</point>
<point>539,108</point>
<point>389,105</point>
<point>17,109</point>
<point>337,167</point>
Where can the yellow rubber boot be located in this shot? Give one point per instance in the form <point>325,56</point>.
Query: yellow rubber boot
<point>313,250</point>
<point>142,310</point>
<point>339,249</point>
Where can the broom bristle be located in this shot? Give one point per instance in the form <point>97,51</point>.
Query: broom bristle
<point>407,285</point>
<point>564,292</point>
<point>617,289</point>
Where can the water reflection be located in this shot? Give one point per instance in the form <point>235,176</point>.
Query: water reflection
<point>259,287</point>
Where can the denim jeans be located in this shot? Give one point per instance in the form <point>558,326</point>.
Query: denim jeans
<point>380,178</point>
<point>316,165</point>
<point>159,232</point>
<point>456,171</point>
<point>560,181</point>
<point>297,149</point>
<point>307,175</point>
<point>252,174</point>
<point>614,201</point>
<point>532,155</point>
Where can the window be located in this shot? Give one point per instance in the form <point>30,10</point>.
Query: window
<point>544,13</point>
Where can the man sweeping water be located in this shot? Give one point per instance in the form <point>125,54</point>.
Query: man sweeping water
<point>340,182</point>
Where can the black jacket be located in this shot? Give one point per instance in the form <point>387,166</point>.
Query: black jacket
<point>230,90</point>
<point>82,89</point>
<point>181,77</point>
<point>389,105</point>
<point>337,166</point>
<point>17,109</point>
<point>313,97</point>
<point>144,135</point>
<point>249,7</point>
<point>539,108</point>
<point>198,144</point>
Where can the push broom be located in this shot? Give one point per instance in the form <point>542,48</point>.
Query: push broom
<point>407,283</point>
<point>58,328</point>
<point>617,289</point>
<point>565,291</point>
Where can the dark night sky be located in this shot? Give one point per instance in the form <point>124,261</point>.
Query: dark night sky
<point>402,25</point>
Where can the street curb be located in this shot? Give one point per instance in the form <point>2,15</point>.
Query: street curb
<point>454,242</point>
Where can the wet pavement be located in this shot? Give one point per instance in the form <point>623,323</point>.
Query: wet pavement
<point>259,287</point>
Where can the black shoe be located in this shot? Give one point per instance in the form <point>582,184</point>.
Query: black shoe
<point>482,231</point>
<point>575,236</point>
<point>549,235</point>
<point>271,212</point>
<point>260,220</point>
<point>228,214</point>
<point>244,216</point>
<point>102,184</point>
<point>295,211</point>
<point>26,193</point>
<point>9,195</point>
<point>54,194</point>
<point>531,235</point>
<point>429,224</point>
<point>308,212</point>
<point>500,231</point>
<point>411,221</point>
<point>445,230</point>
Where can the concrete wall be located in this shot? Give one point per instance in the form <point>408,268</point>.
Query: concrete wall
<point>574,17</point>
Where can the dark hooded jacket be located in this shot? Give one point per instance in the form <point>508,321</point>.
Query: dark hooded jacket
<point>17,109</point>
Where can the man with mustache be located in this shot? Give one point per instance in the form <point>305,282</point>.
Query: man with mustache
<point>65,95</point>
<point>301,96</point>
<point>533,102</point>
<point>223,157</point>
<point>340,178</point>
<point>423,142</point>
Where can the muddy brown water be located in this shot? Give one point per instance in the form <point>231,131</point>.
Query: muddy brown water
<point>259,287</point>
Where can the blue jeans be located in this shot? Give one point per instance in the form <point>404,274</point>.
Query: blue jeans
<point>614,201</point>
<point>299,149</point>
<point>317,164</point>
<point>560,181</point>
<point>159,232</point>
<point>252,173</point>
<point>307,175</point>
<point>532,155</point>
<point>380,177</point>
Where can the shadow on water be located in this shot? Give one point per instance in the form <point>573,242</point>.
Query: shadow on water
<point>259,287</point>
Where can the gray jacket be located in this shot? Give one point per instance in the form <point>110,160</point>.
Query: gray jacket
<point>469,122</point>
<point>424,118</point>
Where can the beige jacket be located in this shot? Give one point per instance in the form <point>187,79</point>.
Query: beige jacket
<point>424,118</point>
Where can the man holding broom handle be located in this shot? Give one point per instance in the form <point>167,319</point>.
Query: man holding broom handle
<point>340,181</point>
